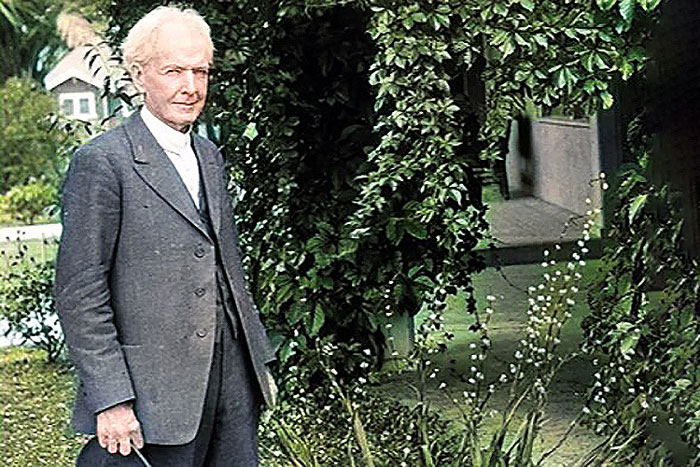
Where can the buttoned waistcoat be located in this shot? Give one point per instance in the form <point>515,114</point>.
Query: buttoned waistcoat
<point>136,286</point>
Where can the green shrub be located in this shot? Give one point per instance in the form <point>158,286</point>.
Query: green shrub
<point>335,420</point>
<point>27,202</point>
<point>356,130</point>
<point>642,332</point>
<point>27,303</point>
<point>30,143</point>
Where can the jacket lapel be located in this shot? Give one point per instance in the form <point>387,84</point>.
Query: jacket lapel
<point>211,180</point>
<point>154,167</point>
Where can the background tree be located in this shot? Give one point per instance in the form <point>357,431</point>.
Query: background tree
<point>30,145</point>
<point>29,38</point>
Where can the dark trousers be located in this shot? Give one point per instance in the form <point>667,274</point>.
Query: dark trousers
<point>227,434</point>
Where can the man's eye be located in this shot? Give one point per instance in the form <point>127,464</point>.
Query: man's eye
<point>202,72</point>
<point>172,72</point>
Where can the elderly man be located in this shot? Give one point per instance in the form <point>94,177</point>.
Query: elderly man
<point>150,290</point>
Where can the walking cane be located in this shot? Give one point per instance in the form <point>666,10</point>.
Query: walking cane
<point>140,456</point>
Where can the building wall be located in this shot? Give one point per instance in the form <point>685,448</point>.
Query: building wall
<point>74,86</point>
<point>674,87</point>
<point>557,162</point>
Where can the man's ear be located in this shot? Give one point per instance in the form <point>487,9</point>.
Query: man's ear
<point>136,72</point>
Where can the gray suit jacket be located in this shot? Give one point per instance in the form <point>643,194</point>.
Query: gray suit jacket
<point>135,282</point>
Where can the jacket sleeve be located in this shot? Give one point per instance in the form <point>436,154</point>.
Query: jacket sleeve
<point>91,212</point>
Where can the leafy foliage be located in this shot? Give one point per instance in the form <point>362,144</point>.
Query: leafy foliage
<point>27,303</point>
<point>344,421</point>
<point>355,130</point>
<point>645,343</point>
<point>29,39</point>
<point>29,142</point>
<point>26,202</point>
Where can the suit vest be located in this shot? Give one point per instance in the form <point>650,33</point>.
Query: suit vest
<point>226,311</point>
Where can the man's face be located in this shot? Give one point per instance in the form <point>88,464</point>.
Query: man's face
<point>175,79</point>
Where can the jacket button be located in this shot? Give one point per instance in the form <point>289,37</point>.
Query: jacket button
<point>201,333</point>
<point>200,252</point>
<point>200,291</point>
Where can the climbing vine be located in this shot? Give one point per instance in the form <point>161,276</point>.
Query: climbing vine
<point>357,134</point>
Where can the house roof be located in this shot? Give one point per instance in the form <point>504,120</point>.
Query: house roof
<point>76,64</point>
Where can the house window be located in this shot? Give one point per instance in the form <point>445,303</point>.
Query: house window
<point>78,105</point>
<point>67,107</point>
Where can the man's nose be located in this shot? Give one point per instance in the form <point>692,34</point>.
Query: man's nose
<point>188,82</point>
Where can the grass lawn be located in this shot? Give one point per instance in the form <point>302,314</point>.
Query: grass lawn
<point>35,406</point>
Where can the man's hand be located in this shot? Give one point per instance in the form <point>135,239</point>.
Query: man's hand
<point>117,427</point>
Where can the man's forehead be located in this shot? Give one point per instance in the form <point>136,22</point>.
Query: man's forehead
<point>182,45</point>
<point>162,61</point>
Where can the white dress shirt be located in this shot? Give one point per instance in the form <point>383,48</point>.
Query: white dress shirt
<point>178,148</point>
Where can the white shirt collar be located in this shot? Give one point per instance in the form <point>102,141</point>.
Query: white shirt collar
<point>168,138</point>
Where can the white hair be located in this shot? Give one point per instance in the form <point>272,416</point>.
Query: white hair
<point>139,45</point>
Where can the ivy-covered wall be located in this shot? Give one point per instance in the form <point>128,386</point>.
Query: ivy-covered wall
<point>358,133</point>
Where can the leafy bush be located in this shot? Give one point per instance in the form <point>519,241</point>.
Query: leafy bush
<point>27,202</point>
<point>30,144</point>
<point>340,420</point>
<point>335,420</point>
<point>356,132</point>
<point>27,303</point>
<point>643,329</point>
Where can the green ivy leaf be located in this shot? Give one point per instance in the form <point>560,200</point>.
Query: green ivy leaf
<point>416,229</point>
<point>529,5</point>
<point>541,40</point>
<point>318,320</point>
<point>630,340</point>
<point>251,131</point>
<point>627,9</point>
<point>500,8</point>
<point>287,351</point>
<point>648,5</point>
<point>414,270</point>
<point>394,231</point>
<point>636,205</point>
<point>606,5</point>
<point>607,99</point>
